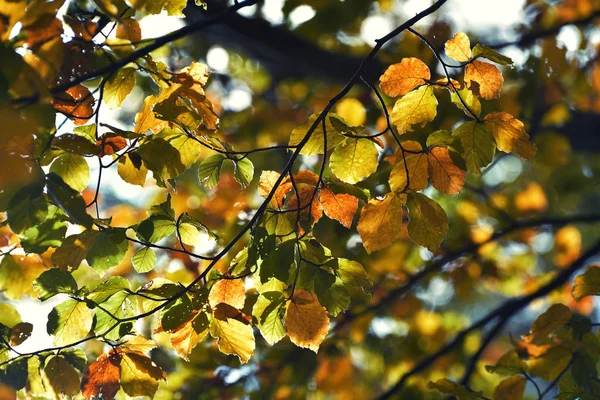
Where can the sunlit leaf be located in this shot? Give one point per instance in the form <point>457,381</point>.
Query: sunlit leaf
<point>427,221</point>
<point>69,321</point>
<point>380,221</point>
<point>306,321</point>
<point>415,108</point>
<point>484,79</point>
<point>459,47</point>
<point>401,78</point>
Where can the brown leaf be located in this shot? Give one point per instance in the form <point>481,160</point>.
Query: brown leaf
<point>340,207</point>
<point>380,221</point>
<point>129,29</point>
<point>45,28</point>
<point>309,203</point>
<point>109,144</point>
<point>83,29</point>
<point>403,77</point>
<point>77,103</point>
<point>102,377</point>
<point>306,321</point>
<point>228,291</point>
<point>484,79</point>
<point>445,175</point>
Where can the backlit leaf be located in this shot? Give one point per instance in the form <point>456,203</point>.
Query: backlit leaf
<point>209,170</point>
<point>108,249</point>
<point>557,316</point>
<point>550,364</point>
<point>459,47</point>
<point>188,335</point>
<point>427,221</point>
<point>306,321</point>
<point>401,78</point>
<point>511,388</point>
<point>509,134</point>
<point>452,388</point>
<point>380,221</point>
<point>53,282</point>
<point>268,311</point>
<point>139,375</point>
<point>243,172</point>
<point>69,321</point>
<point>101,380</point>
<point>417,177</point>
<point>587,284</point>
<point>73,170</point>
<point>446,176</point>
<point>465,97</point>
<point>60,378</point>
<point>131,169</point>
<point>233,337</point>
<point>485,52</point>
<point>338,206</point>
<point>477,144</point>
<point>415,108</point>
<point>118,87</point>
<point>228,291</point>
<point>144,260</point>
<point>484,79</point>
<point>354,160</point>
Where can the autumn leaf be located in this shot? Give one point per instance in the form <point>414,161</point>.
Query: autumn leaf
<point>129,29</point>
<point>102,377</point>
<point>306,321</point>
<point>401,78</point>
<point>316,143</point>
<point>452,388</point>
<point>416,108</point>
<point>557,316</point>
<point>118,87</point>
<point>478,147</point>
<point>69,321</point>
<point>77,103</point>
<point>233,337</point>
<point>306,202</point>
<point>467,101</point>
<point>354,160</point>
<point>459,47</point>
<point>484,79</point>
<point>228,291</point>
<point>587,284</point>
<point>446,176</point>
<point>481,51</point>
<point>380,221</point>
<point>110,144</point>
<point>511,388</point>
<point>188,335</point>
<point>60,378</point>
<point>415,165</point>
<point>550,364</point>
<point>509,134</point>
<point>268,311</point>
<point>338,206</point>
<point>427,221</point>
<point>139,375</point>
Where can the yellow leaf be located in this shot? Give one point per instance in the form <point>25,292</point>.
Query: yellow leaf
<point>418,175</point>
<point>477,144</point>
<point>445,175</point>
<point>509,134</point>
<point>60,378</point>
<point>73,170</point>
<point>131,169</point>
<point>69,321</point>
<point>338,206</point>
<point>118,87</point>
<point>511,388</point>
<point>354,160</point>
<point>139,343</point>
<point>352,110</point>
<point>316,142</point>
<point>188,335</point>
<point>233,337</point>
<point>416,108</point>
<point>380,221</point>
<point>427,221</point>
<point>173,7</point>
<point>17,274</point>
<point>401,78</point>
<point>139,375</point>
<point>473,105</point>
<point>484,79</point>
<point>448,387</point>
<point>459,47</point>
<point>587,284</point>
<point>306,321</point>
<point>228,291</point>
<point>557,316</point>
<point>550,364</point>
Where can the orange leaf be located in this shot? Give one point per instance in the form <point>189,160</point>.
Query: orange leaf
<point>228,291</point>
<point>102,377</point>
<point>309,203</point>
<point>109,144</point>
<point>403,77</point>
<point>509,134</point>
<point>186,337</point>
<point>416,164</point>
<point>459,47</point>
<point>445,175</point>
<point>77,103</point>
<point>306,321</point>
<point>380,221</point>
<point>484,79</point>
<point>129,29</point>
<point>340,207</point>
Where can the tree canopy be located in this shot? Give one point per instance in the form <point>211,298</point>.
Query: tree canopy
<point>260,201</point>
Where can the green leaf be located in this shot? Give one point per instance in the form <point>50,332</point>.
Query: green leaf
<point>452,388</point>
<point>243,171</point>
<point>69,321</point>
<point>268,311</point>
<point>26,211</point>
<point>477,144</point>
<point>155,228</point>
<point>113,285</point>
<point>470,100</point>
<point>139,375</point>
<point>144,260</point>
<point>163,209</point>
<point>68,199</point>
<point>73,170</point>
<point>353,274</point>
<point>354,160</point>
<point>50,233</point>
<point>121,305</point>
<point>555,317</point>
<point>550,364</point>
<point>331,292</point>
<point>509,364</point>
<point>427,221</point>
<point>74,249</point>
<point>87,131</point>
<point>15,375</point>
<point>277,262</point>
<point>118,87</point>
<point>169,153</point>
<point>81,145</point>
<point>209,170</point>
<point>54,281</point>
<point>176,313</point>
<point>481,51</point>
<point>316,142</point>
<point>108,249</point>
